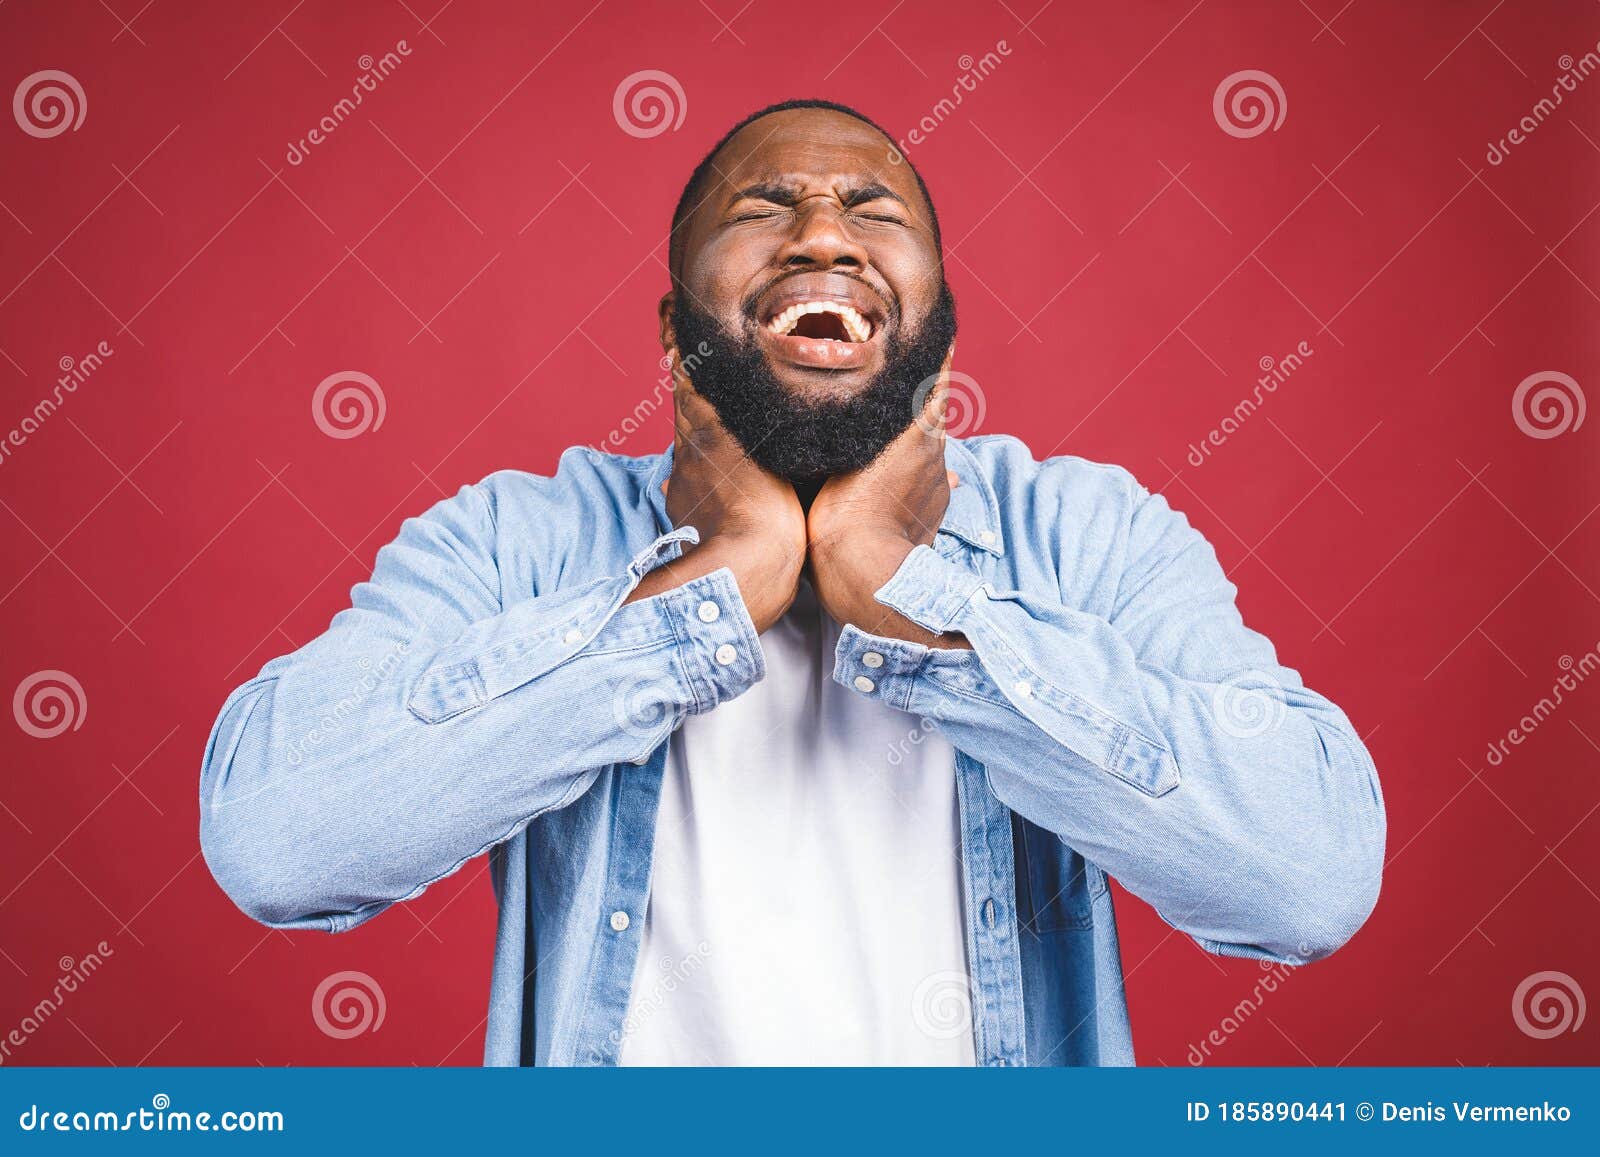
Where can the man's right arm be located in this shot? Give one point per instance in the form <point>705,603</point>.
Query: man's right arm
<point>431,721</point>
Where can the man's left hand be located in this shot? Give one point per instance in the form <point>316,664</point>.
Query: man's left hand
<point>862,525</point>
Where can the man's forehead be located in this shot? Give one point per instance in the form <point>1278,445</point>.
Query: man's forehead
<point>825,149</point>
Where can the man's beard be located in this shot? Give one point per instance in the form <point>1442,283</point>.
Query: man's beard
<point>807,440</point>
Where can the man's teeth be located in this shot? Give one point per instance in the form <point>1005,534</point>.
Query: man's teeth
<point>854,324</point>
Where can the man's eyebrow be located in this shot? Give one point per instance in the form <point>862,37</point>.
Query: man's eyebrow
<point>788,193</point>
<point>778,192</point>
<point>873,191</point>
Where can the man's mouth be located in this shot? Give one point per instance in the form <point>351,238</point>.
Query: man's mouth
<point>824,320</point>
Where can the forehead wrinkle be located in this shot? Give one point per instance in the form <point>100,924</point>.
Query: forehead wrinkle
<point>868,140</point>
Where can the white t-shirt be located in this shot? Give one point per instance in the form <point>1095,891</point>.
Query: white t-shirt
<point>805,903</point>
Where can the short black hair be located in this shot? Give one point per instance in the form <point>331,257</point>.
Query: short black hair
<point>689,199</point>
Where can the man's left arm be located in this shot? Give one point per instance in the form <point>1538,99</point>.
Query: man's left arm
<point>1164,741</point>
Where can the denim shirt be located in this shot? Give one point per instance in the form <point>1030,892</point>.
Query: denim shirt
<point>489,691</point>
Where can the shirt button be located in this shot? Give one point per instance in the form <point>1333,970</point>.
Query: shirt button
<point>726,654</point>
<point>986,537</point>
<point>997,1063</point>
<point>709,612</point>
<point>572,636</point>
<point>872,659</point>
<point>1024,689</point>
<point>865,685</point>
<point>619,921</point>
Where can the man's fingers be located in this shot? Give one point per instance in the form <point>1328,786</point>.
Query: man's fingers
<point>694,420</point>
<point>918,448</point>
<point>931,418</point>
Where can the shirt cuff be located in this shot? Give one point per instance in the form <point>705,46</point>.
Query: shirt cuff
<point>1001,669</point>
<point>888,669</point>
<point>706,619</point>
<point>930,590</point>
<point>717,641</point>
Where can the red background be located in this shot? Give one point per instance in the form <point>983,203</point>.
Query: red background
<point>484,240</point>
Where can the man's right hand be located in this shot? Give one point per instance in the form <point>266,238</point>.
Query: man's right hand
<point>749,519</point>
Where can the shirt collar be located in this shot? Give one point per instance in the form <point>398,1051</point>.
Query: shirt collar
<point>973,515</point>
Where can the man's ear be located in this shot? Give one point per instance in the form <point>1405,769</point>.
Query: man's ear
<point>669,337</point>
<point>949,356</point>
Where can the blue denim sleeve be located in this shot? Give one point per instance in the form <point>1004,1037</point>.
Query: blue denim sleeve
<point>429,722</point>
<point>1164,743</point>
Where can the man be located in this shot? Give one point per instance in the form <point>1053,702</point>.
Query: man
<point>815,739</point>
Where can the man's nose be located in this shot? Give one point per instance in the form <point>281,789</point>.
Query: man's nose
<point>821,238</point>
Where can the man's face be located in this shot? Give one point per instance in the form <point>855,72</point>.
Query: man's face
<point>811,272</point>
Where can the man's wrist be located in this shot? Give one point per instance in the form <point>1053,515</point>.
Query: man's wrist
<point>767,572</point>
<point>851,570</point>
